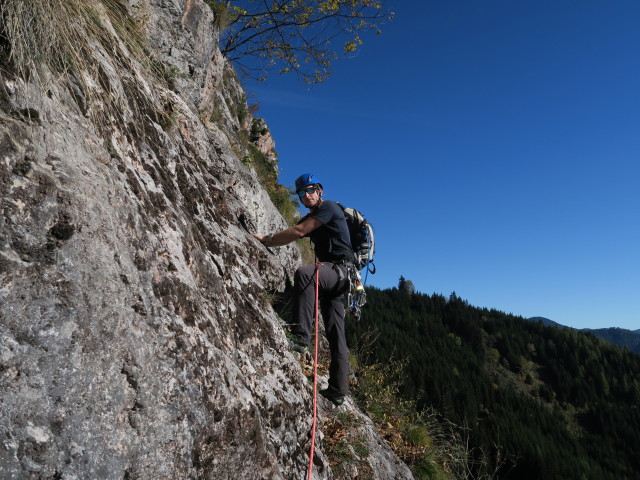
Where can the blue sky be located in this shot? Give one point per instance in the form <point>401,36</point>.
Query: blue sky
<point>495,148</point>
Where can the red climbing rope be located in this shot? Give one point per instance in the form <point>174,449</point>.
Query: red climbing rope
<point>315,378</point>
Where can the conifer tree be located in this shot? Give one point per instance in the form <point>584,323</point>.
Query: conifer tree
<point>406,286</point>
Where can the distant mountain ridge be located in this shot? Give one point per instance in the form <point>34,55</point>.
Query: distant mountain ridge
<point>545,321</point>
<point>618,336</point>
<point>615,335</point>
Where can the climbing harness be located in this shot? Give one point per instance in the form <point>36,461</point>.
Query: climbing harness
<point>315,377</point>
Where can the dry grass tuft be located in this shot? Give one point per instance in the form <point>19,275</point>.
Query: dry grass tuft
<point>46,42</point>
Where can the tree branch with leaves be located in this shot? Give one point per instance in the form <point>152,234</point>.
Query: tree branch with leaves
<point>297,36</point>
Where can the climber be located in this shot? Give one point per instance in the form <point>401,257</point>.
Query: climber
<point>325,224</point>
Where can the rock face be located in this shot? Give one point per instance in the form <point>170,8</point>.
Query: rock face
<point>136,339</point>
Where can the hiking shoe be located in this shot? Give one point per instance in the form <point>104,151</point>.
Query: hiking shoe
<point>333,397</point>
<point>298,347</point>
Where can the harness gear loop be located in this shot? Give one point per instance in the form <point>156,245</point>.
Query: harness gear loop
<point>356,296</point>
<point>315,377</point>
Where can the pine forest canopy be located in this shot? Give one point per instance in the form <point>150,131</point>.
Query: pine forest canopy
<point>545,401</point>
<point>295,35</point>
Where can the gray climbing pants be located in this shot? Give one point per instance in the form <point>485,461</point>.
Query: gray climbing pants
<point>333,283</point>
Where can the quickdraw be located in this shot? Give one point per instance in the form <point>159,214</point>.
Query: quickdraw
<point>357,296</point>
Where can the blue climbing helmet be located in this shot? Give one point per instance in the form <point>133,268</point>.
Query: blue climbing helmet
<point>305,180</point>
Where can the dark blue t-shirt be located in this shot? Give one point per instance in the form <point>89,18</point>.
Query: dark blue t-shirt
<point>331,241</point>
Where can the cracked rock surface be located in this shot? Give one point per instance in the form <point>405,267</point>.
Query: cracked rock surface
<point>136,341</point>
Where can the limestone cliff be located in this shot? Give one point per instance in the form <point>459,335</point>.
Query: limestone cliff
<point>136,340</point>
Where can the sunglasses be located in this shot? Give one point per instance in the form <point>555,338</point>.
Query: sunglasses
<point>306,191</point>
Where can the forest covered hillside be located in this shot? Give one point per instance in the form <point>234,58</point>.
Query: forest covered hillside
<point>539,401</point>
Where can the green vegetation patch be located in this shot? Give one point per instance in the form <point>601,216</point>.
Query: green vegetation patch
<point>220,12</point>
<point>413,435</point>
<point>281,196</point>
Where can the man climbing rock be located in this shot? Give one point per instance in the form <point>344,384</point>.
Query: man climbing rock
<point>325,224</point>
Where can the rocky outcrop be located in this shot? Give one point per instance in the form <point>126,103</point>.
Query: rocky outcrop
<point>136,338</point>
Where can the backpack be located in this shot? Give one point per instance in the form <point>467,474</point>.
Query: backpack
<point>363,245</point>
<point>362,239</point>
